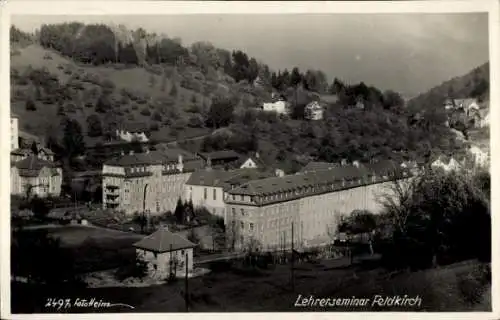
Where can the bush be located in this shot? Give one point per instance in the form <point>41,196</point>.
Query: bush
<point>146,112</point>
<point>30,105</point>
<point>196,121</point>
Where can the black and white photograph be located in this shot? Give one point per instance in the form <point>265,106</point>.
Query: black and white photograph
<point>248,160</point>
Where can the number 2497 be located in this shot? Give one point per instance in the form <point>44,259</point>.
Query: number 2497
<point>58,303</point>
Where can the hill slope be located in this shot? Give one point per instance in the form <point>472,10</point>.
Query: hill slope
<point>105,79</point>
<point>474,84</point>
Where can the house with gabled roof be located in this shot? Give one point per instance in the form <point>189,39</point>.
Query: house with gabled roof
<point>34,176</point>
<point>166,253</point>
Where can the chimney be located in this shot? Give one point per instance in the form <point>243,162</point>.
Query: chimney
<point>209,163</point>
<point>180,165</point>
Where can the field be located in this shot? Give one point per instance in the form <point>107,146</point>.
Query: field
<point>96,249</point>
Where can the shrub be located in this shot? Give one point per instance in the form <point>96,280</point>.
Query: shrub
<point>196,121</point>
<point>146,112</point>
<point>30,105</point>
<point>156,116</point>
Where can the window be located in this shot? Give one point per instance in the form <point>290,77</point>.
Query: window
<point>205,193</point>
<point>242,211</point>
<point>251,226</point>
<point>242,225</point>
<point>242,198</point>
<point>234,197</point>
<point>182,252</point>
<point>233,210</point>
<point>215,194</point>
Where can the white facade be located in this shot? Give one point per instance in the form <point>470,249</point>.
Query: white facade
<point>14,133</point>
<point>46,183</point>
<point>127,136</point>
<point>452,165</point>
<point>279,106</point>
<point>481,158</point>
<point>212,198</point>
<point>249,163</point>
<point>314,111</point>
<point>160,265</point>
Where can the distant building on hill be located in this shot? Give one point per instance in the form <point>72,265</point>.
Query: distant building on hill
<point>165,254</point>
<point>35,176</point>
<point>229,159</point>
<point>152,181</point>
<point>132,132</point>
<point>277,104</point>
<point>263,211</point>
<point>314,111</point>
<point>14,132</point>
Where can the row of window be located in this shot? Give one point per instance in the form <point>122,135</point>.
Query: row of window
<point>305,190</point>
<point>205,193</point>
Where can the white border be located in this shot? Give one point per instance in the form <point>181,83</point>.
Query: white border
<point>191,7</point>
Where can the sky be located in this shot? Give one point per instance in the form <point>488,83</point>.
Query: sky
<point>408,53</point>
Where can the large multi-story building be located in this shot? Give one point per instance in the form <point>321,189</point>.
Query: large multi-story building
<point>14,132</point>
<point>35,176</point>
<point>205,188</point>
<point>263,211</point>
<point>152,181</point>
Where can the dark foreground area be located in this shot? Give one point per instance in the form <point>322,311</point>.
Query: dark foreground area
<point>463,286</point>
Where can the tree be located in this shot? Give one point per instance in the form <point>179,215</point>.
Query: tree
<point>94,126</point>
<point>103,104</point>
<point>73,139</point>
<point>36,245</point>
<point>30,105</point>
<point>438,218</point>
<point>220,113</point>
<point>179,212</point>
<point>392,100</point>
<point>173,91</point>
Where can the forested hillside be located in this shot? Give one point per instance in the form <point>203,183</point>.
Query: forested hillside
<point>89,80</point>
<point>474,84</point>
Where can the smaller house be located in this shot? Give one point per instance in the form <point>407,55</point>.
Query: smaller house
<point>132,132</point>
<point>35,176</point>
<point>220,158</point>
<point>252,162</point>
<point>166,254</point>
<point>314,111</point>
<point>277,104</point>
<point>480,158</point>
<point>446,163</point>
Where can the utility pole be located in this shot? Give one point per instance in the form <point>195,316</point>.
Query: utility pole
<point>186,288</point>
<point>292,261</point>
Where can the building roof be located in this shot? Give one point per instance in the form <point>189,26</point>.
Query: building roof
<point>21,152</point>
<point>153,157</point>
<point>225,179</point>
<point>220,155</point>
<point>32,165</point>
<point>163,241</point>
<point>314,178</point>
<point>318,165</point>
<point>28,136</point>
